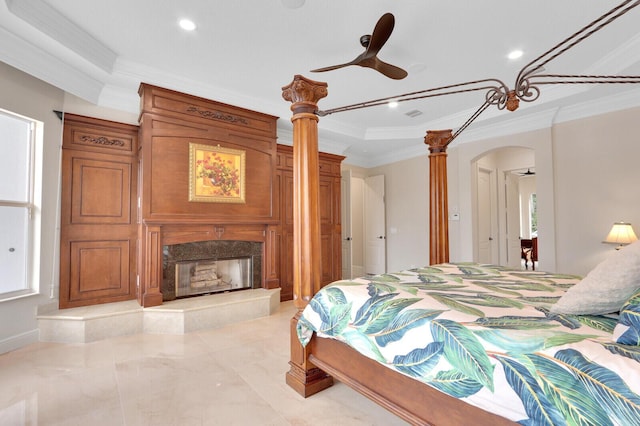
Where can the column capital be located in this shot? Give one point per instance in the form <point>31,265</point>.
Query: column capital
<point>304,94</point>
<point>438,140</point>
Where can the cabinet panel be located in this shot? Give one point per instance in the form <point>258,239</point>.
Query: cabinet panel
<point>100,191</point>
<point>287,199</point>
<point>326,243</point>
<point>99,269</point>
<point>286,267</point>
<point>326,200</point>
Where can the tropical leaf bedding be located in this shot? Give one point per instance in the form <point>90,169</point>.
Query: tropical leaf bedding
<point>484,334</point>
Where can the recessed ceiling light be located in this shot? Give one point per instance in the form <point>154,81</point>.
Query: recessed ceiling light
<point>187,24</point>
<point>393,104</point>
<point>515,54</point>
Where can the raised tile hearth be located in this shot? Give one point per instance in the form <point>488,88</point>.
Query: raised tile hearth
<point>92,323</point>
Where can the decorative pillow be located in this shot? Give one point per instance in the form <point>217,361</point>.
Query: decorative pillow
<point>607,287</point>
<point>627,330</point>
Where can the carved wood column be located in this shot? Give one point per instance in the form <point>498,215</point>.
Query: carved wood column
<point>438,196</point>
<point>151,294</point>
<point>304,95</point>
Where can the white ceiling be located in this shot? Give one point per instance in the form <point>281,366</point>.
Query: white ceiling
<point>244,51</point>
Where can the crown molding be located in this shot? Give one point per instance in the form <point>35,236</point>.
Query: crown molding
<point>625,100</point>
<point>618,59</point>
<point>32,60</point>
<point>45,18</point>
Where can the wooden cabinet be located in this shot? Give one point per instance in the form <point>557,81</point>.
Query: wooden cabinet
<point>98,212</point>
<point>116,214</point>
<point>331,231</point>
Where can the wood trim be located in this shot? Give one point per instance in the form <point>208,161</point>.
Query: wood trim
<point>307,251</point>
<point>304,94</point>
<point>409,399</point>
<point>438,196</point>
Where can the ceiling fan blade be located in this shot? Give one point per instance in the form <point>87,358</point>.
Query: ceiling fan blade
<point>381,33</point>
<point>373,43</point>
<point>389,70</point>
<point>334,67</point>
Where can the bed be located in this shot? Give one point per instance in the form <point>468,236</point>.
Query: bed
<point>493,346</point>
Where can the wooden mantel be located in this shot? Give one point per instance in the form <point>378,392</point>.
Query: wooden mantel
<point>169,123</point>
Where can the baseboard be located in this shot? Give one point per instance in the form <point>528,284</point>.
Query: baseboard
<point>16,342</point>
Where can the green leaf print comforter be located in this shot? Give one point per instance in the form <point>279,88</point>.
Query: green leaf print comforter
<point>484,334</point>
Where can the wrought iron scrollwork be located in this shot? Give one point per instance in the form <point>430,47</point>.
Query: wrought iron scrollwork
<point>528,80</point>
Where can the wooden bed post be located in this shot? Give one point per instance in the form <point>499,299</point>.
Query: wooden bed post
<point>438,197</point>
<point>304,94</point>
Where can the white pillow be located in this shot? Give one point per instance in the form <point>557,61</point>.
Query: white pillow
<point>607,287</point>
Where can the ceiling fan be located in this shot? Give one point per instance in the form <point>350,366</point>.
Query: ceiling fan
<point>527,173</point>
<point>372,44</point>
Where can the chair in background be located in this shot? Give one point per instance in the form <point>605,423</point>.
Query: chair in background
<point>529,252</point>
<point>534,252</point>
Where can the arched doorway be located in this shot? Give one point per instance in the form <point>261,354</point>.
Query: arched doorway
<point>503,182</point>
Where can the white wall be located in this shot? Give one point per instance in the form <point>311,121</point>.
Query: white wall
<point>407,216</point>
<point>597,168</point>
<point>30,97</point>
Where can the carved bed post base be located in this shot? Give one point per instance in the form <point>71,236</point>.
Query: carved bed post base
<point>303,376</point>
<point>304,94</point>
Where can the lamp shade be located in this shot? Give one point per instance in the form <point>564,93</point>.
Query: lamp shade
<point>621,233</point>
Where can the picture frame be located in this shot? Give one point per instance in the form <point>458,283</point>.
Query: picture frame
<point>216,174</point>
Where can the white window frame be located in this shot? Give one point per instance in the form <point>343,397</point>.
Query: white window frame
<point>32,249</point>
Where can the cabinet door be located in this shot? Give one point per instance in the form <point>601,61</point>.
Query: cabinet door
<point>286,248</point>
<point>98,233</point>
<point>328,222</point>
<point>98,229</point>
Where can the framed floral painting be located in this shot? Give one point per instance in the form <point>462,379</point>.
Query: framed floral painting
<point>216,174</point>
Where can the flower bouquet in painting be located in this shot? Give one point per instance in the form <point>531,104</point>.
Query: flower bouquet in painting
<point>216,174</point>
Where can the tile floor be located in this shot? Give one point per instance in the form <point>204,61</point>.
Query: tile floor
<point>234,375</point>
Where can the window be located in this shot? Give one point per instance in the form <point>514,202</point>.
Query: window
<point>17,207</point>
<point>533,209</point>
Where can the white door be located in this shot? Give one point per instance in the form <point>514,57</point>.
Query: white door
<point>512,200</point>
<point>486,211</point>
<point>347,239</point>
<point>375,231</point>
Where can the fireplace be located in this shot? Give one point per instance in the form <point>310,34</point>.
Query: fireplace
<point>205,267</point>
<point>213,276</point>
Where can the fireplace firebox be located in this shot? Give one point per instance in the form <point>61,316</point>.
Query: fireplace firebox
<point>204,267</point>
<point>212,276</point>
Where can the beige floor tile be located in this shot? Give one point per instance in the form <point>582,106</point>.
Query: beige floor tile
<point>233,375</point>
